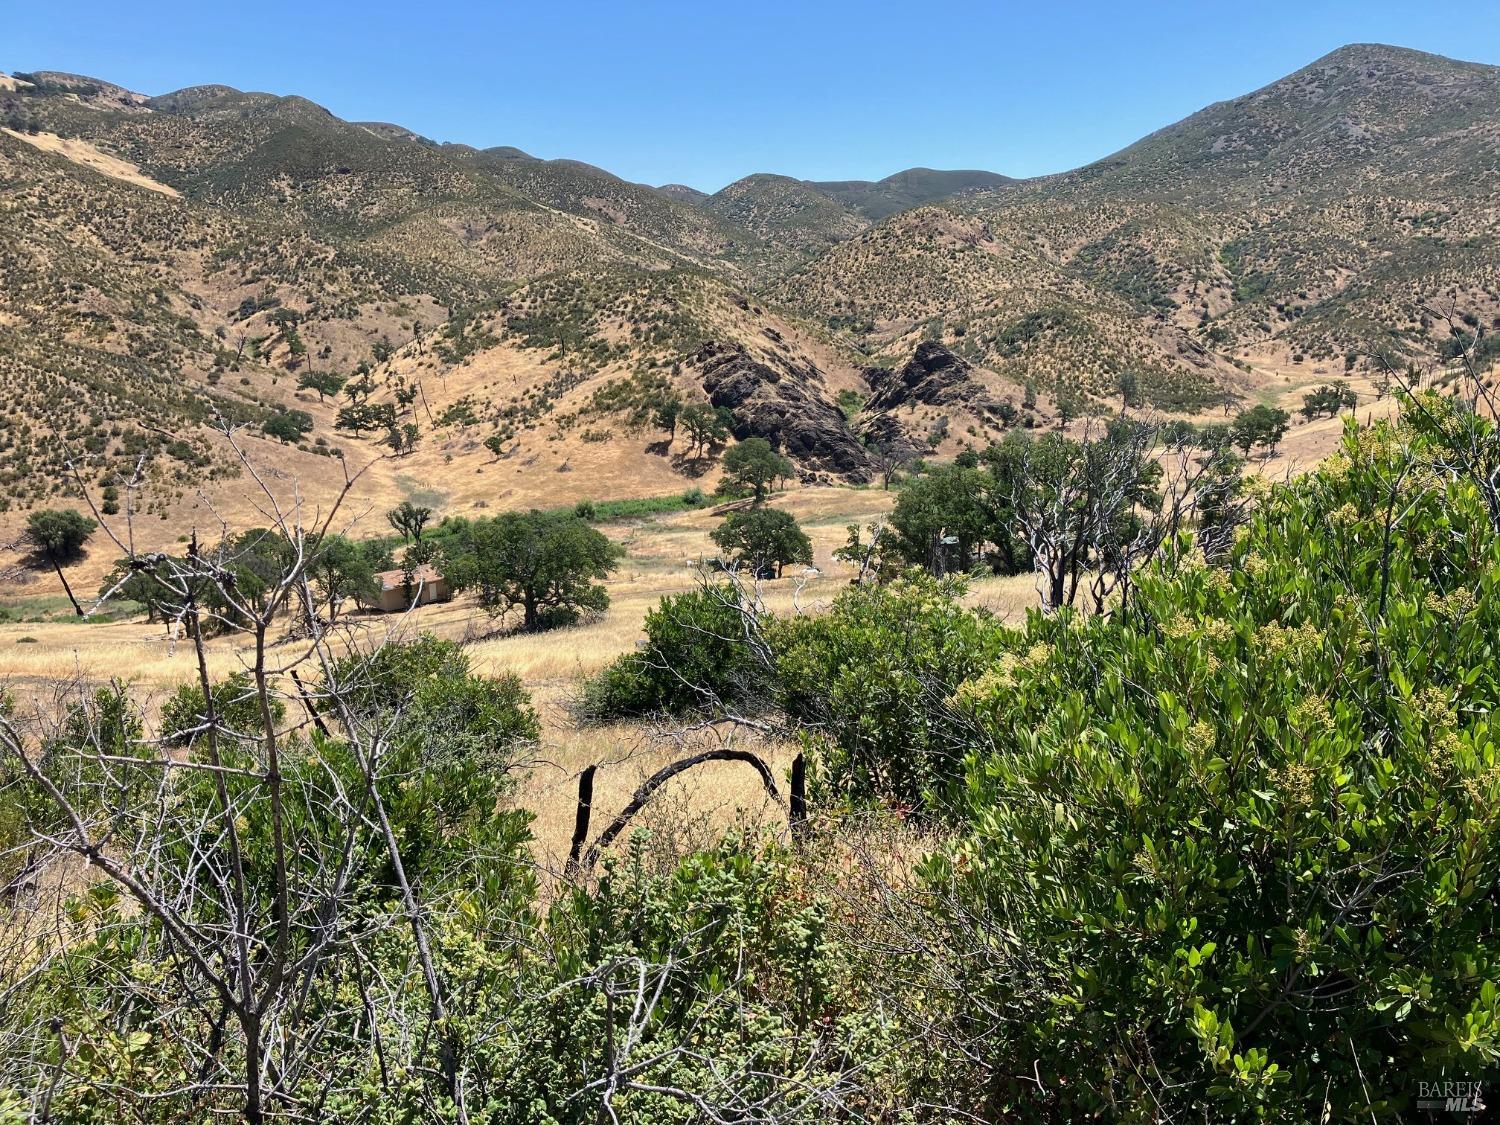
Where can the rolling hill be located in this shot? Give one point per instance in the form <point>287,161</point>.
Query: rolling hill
<point>175,264</point>
<point>1302,223</point>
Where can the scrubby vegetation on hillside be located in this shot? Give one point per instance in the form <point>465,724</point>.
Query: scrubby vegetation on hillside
<point>170,261</point>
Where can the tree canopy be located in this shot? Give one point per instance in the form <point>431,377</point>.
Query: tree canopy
<point>706,427</point>
<point>547,564</point>
<point>326,384</point>
<point>408,520</point>
<point>753,466</point>
<point>344,569</point>
<point>58,536</point>
<point>1329,399</point>
<point>1262,426</point>
<point>764,540</point>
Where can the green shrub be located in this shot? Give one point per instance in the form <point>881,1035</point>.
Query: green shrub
<point>870,679</point>
<point>697,656</point>
<point>425,692</point>
<point>184,717</point>
<point>1242,843</point>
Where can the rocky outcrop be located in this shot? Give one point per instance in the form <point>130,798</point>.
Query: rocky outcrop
<point>932,386</point>
<point>933,376</point>
<point>885,432</point>
<point>784,406</point>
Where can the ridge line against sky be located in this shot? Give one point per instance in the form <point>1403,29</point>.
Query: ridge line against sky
<point>664,91</point>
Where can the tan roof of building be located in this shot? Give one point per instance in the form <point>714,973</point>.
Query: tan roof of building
<point>424,575</point>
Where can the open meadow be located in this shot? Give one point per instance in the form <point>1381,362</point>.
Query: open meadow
<point>49,653</point>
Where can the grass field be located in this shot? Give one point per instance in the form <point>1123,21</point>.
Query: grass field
<point>43,650</point>
<point>40,657</point>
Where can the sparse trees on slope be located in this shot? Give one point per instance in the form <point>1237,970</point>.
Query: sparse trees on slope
<point>1262,426</point>
<point>326,384</point>
<point>705,426</point>
<point>362,417</point>
<point>1328,399</point>
<point>667,412</point>
<point>646,398</point>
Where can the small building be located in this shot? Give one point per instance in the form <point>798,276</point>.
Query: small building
<point>399,592</point>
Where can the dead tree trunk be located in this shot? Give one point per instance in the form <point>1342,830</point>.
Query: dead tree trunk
<point>797,809</point>
<point>664,775</point>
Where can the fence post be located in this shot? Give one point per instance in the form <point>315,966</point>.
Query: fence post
<point>581,817</point>
<point>798,817</point>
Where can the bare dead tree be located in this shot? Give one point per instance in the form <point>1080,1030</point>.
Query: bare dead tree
<point>1095,510</point>
<point>889,459</point>
<point>248,932</point>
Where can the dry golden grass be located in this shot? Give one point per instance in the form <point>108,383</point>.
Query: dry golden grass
<point>81,152</point>
<point>662,557</point>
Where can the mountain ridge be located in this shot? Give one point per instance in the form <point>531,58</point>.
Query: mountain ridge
<point>1298,228</point>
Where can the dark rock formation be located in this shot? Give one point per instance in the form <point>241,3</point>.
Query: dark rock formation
<point>884,431</point>
<point>933,376</point>
<point>784,406</point>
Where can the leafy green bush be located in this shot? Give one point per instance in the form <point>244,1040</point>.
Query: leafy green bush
<point>184,718</point>
<point>1242,843</point>
<point>697,656</point>
<point>869,679</point>
<point>426,691</point>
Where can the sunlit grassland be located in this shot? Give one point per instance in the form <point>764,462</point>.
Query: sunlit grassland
<point>663,555</point>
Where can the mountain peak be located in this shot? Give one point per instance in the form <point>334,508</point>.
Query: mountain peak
<point>682,193</point>
<point>1364,53</point>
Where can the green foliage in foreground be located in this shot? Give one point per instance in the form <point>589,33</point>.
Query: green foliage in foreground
<point>1231,853</point>
<point>1244,842</point>
<point>869,681</point>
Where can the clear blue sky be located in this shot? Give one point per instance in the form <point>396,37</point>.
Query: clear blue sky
<point>703,93</point>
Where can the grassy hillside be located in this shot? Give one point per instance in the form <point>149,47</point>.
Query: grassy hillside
<point>175,260</point>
